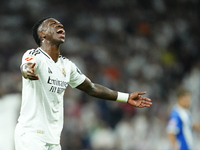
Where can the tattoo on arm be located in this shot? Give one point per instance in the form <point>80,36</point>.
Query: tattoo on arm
<point>104,92</point>
<point>97,90</point>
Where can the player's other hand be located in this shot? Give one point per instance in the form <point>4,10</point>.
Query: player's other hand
<point>135,99</point>
<point>28,70</point>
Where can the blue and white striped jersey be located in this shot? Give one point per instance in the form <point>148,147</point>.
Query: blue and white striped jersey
<point>180,124</point>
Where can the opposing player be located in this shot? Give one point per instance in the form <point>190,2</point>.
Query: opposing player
<point>46,74</point>
<point>180,124</point>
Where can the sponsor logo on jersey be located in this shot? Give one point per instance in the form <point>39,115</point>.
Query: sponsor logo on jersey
<point>57,85</point>
<point>63,72</point>
<point>29,58</point>
<point>57,82</point>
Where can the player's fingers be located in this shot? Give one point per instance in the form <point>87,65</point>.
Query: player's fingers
<point>33,77</point>
<point>141,93</point>
<point>31,70</point>
<point>30,75</point>
<point>146,99</point>
<point>145,105</point>
<point>33,65</point>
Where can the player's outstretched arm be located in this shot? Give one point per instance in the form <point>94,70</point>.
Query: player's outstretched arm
<point>99,91</point>
<point>28,70</point>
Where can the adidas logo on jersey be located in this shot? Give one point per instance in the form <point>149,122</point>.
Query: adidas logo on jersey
<point>49,71</point>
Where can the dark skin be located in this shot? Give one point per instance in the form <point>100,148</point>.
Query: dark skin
<point>52,35</point>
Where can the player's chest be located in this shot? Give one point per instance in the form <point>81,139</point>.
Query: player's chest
<point>54,76</point>
<point>185,119</point>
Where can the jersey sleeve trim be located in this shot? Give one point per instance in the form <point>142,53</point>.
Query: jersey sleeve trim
<point>80,81</point>
<point>76,76</point>
<point>174,123</point>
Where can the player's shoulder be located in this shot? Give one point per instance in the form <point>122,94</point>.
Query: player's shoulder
<point>63,58</point>
<point>33,52</point>
<point>37,53</point>
<point>174,113</point>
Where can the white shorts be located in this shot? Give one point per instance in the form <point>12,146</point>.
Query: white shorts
<point>26,141</point>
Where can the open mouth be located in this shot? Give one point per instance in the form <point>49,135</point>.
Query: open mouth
<point>61,32</point>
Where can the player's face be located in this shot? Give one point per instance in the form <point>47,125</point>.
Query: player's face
<point>54,31</point>
<point>185,100</point>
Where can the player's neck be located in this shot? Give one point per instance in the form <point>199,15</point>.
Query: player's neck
<point>52,50</point>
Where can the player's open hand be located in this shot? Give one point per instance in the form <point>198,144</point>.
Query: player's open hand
<point>135,99</point>
<point>28,71</point>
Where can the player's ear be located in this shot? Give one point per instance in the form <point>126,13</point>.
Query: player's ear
<point>42,34</point>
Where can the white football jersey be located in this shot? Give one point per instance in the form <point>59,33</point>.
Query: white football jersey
<point>42,100</point>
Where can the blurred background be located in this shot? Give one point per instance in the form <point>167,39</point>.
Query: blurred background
<point>126,45</point>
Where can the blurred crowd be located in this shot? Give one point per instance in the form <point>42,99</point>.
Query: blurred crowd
<point>126,45</point>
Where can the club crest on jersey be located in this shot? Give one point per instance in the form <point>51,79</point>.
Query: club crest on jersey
<point>63,72</point>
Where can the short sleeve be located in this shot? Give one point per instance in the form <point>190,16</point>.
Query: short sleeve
<point>174,123</point>
<point>28,57</point>
<point>76,76</point>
